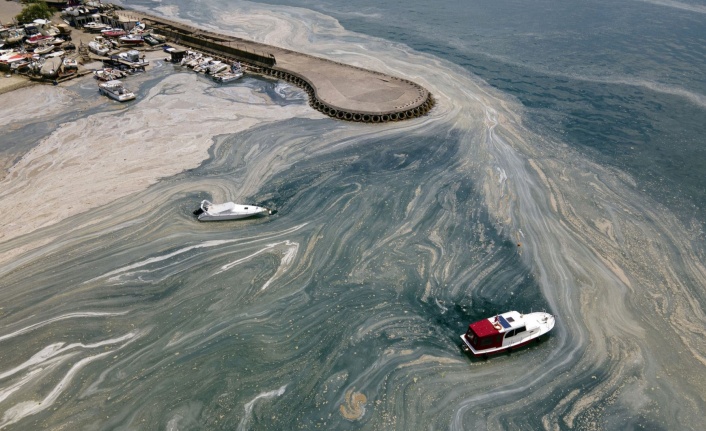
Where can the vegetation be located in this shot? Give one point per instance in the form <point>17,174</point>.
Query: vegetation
<point>34,9</point>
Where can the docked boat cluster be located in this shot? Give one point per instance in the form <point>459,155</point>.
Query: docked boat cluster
<point>219,71</point>
<point>39,50</point>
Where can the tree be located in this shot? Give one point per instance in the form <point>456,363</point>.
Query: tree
<point>34,10</point>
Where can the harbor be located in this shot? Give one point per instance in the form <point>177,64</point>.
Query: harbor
<point>109,34</point>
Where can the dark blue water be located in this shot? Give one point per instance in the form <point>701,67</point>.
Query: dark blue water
<point>622,81</point>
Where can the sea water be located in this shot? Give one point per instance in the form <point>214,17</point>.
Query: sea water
<point>560,170</point>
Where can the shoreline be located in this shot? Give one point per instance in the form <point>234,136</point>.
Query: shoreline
<point>338,90</point>
<point>77,166</point>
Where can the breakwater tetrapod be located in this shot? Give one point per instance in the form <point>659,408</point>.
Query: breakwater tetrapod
<point>338,90</point>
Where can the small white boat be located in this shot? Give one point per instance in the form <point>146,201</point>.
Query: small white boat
<point>95,26</point>
<point>44,49</point>
<point>229,211</point>
<point>505,332</point>
<point>115,90</point>
<point>98,48</point>
<point>226,77</point>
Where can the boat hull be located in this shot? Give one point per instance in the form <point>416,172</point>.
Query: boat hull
<point>466,346</point>
<point>230,211</point>
<point>218,217</point>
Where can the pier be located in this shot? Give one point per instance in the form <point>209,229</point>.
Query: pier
<point>338,90</point>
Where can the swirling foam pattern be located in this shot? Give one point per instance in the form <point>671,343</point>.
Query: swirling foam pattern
<point>120,311</point>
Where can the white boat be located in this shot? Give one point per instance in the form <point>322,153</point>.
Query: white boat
<point>70,64</point>
<point>202,64</point>
<point>226,77</point>
<point>95,26</point>
<point>55,54</point>
<point>98,48</point>
<point>229,211</point>
<point>45,27</point>
<point>132,57</point>
<point>44,49</point>
<point>216,67</point>
<point>115,90</point>
<point>505,332</point>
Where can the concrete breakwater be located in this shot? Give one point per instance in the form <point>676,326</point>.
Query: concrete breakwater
<point>338,90</point>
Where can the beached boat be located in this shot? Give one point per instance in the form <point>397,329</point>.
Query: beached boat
<point>11,56</point>
<point>45,27</point>
<point>70,64</point>
<point>151,40</point>
<point>505,332</point>
<point>11,36</point>
<point>37,38</point>
<point>216,67</point>
<point>51,68</point>
<point>99,47</point>
<point>229,211</point>
<point>115,90</point>
<point>131,39</point>
<point>95,26</point>
<point>202,64</point>
<point>132,59</point>
<point>44,48</point>
<point>53,54</point>
<point>113,32</point>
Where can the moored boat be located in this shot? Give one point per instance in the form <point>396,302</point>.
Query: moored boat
<point>505,332</point>
<point>216,67</point>
<point>229,211</point>
<point>226,77</point>
<point>115,90</point>
<point>131,39</point>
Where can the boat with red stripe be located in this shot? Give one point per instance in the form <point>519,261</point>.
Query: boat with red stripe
<point>504,332</point>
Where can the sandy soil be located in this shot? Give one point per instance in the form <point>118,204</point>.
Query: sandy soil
<point>9,10</point>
